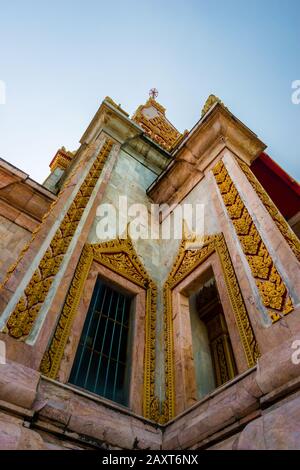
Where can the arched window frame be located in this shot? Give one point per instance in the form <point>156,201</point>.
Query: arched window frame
<point>117,262</point>
<point>187,268</point>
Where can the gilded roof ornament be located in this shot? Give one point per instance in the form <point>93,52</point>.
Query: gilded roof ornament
<point>152,118</point>
<point>211,100</point>
<point>62,159</point>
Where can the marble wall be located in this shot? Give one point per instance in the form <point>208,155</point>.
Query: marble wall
<point>205,380</point>
<point>131,178</point>
<point>232,414</point>
<point>12,239</point>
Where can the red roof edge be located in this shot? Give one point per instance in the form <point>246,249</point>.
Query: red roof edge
<point>281,187</point>
<point>270,163</point>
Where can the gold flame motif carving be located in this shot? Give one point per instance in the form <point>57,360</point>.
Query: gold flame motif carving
<point>270,285</point>
<point>62,159</point>
<point>286,231</point>
<point>211,100</point>
<point>21,320</point>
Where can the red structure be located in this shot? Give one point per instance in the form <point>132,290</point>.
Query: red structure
<point>281,187</point>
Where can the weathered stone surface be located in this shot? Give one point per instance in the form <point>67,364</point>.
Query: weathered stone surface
<point>276,368</point>
<point>278,429</point>
<point>12,239</point>
<point>18,384</point>
<point>226,444</point>
<point>14,436</point>
<point>99,422</point>
<point>244,398</point>
<point>219,410</point>
<point>91,418</point>
<point>53,403</point>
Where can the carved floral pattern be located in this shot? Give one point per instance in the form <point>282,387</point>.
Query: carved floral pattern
<point>157,127</point>
<point>283,226</point>
<point>270,285</point>
<point>21,320</point>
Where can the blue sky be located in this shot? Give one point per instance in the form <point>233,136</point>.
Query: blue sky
<point>59,59</point>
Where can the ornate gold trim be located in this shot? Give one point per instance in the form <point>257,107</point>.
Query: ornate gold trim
<point>27,309</point>
<point>270,285</point>
<point>283,226</point>
<point>62,159</point>
<point>211,100</point>
<point>186,262</point>
<point>157,127</point>
<point>119,256</point>
<point>25,248</point>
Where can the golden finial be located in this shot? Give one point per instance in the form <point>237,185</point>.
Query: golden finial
<point>211,100</point>
<point>192,241</point>
<point>153,93</point>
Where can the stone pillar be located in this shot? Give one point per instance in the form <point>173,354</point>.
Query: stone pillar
<point>265,257</point>
<point>53,179</point>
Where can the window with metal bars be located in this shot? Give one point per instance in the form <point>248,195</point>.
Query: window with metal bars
<point>102,359</point>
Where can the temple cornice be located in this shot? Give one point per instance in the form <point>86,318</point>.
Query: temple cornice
<point>217,130</point>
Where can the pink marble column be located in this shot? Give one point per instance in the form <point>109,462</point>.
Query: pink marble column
<point>268,335</point>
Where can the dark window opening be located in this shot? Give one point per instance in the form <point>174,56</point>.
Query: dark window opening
<point>101,363</point>
<point>212,350</point>
<point>211,313</point>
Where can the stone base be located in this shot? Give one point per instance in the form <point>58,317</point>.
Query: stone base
<point>259,409</point>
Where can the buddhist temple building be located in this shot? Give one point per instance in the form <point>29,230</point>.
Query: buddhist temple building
<point>152,341</point>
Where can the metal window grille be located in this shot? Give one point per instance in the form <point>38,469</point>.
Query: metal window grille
<point>100,364</point>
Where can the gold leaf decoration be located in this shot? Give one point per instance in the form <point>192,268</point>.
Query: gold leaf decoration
<point>21,320</point>
<point>156,125</point>
<point>211,100</point>
<point>282,225</point>
<point>270,285</point>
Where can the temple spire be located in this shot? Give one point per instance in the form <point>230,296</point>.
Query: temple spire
<point>151,116</point>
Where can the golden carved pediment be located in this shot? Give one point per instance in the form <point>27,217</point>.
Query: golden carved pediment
<point>151,117</point>
<point>120,256</point>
